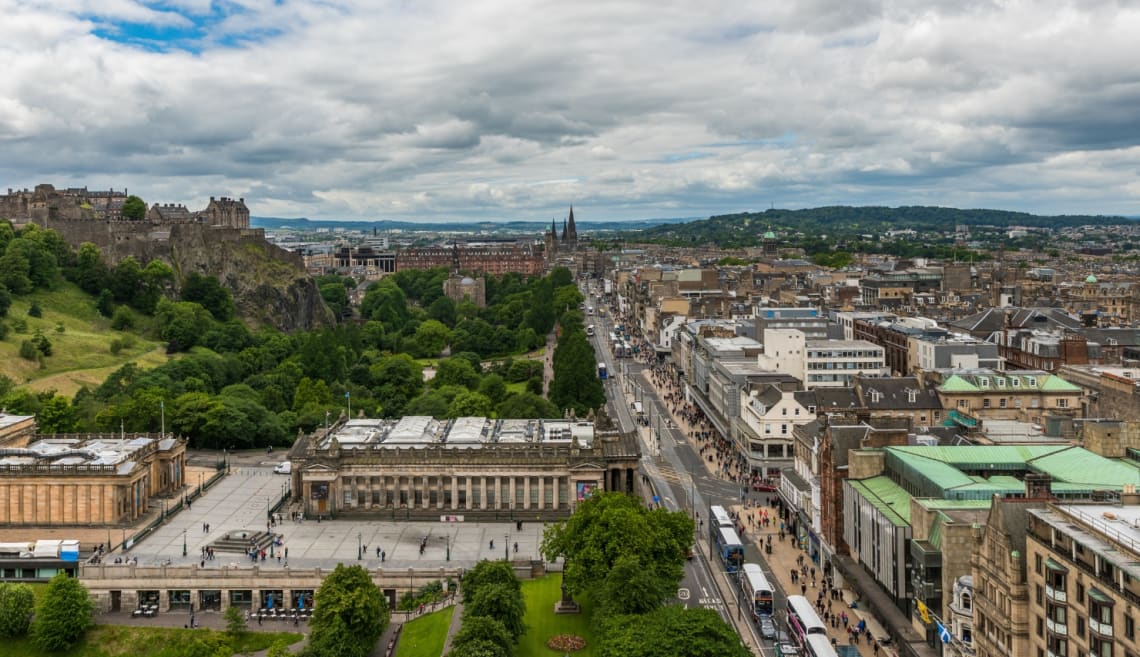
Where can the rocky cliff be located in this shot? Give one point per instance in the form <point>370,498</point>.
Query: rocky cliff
<point>270,285</point>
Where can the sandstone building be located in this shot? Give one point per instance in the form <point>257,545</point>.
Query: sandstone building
<point>423,467</point>
<point>87,479</point>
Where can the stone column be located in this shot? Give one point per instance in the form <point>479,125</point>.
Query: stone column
<point>454,492</point>
<point>427,492</point>
<point>526,492</point>
<point>513,483</point>
<point>467,502</point>
<point>483,496</point>
<point>541,493</point>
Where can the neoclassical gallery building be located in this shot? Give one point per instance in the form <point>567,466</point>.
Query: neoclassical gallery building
<point>423,467</point>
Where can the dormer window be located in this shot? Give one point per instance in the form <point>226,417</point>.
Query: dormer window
<point>1016,383</point>
<point>876,396</point>
<point>984,383</point>
<point>1032,382</point>
<point>912,396</point>
<point>1000,383</point>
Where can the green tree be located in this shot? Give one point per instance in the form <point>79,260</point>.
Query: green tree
<point>122,319</point>
<point>56,415</point>
<point>64,614</point>
<point>455,371</point>
<point>480,630</point>
<point>500,601</point>
<point>41,342</point>
<point>477,648</point>
<point>430,338</point>
<point>671,631</point>
<point>134,208</point>
<point>17,601</point>
<point>486,573</point>
<point>576,384</point>
<point>34,310</point>
<point>15,270</point>
<point>493,387</point>
<point>207,292</point>
<point>181,323</point>
<point>469,404</point>
<point>608,526</point>
<point>349,616</point>
<point>89,271</point>
<point>28,350</point>
<point>5,300</point>
<point>105,304</point>
<point>442,310</point>
<point>235,622</point>
<point>526,405</point>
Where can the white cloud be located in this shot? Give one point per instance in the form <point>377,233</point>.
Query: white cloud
<point>513,110</point>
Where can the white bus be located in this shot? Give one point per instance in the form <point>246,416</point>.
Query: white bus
<point>720,517</point>
<point>803,620</point>
<point>818,645</point>
<point>757,589</point>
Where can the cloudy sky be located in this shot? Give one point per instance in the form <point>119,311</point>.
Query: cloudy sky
<point>514,110</point>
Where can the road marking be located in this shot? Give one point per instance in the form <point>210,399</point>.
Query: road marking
<point>682,594</point>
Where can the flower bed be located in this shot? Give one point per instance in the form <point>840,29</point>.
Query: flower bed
<point>566,643</point>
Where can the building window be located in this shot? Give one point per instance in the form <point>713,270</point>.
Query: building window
<point>1040,596</point>
<point>1080,593</point>
<point>986,402</point>
<point>1129,628</point>
<point>1039,564</point>
<point>1040,626</point>
<point>1001,403</point>
<point>1064,403</point>
<point>963,403</point>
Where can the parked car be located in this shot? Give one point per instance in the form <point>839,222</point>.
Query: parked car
<point>285,467</point>
<point>767,627</point>
<point>787,650</point>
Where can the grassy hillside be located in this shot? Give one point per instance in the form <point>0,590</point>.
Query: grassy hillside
<point>81,352</point>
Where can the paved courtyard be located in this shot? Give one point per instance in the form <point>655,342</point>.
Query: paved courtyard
<point>241,501</point>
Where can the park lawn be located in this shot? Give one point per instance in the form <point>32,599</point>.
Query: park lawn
<point>124,641</point>
<point>519,387</point>
<point>542,623</point>
<point>425,636</point>
<point>81,354</point>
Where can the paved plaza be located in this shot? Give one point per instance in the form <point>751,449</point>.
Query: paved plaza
<point>241,500</point>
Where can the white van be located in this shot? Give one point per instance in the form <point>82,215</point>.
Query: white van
<point>285,467</point>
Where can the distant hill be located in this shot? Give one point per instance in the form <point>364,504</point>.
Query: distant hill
<point>746,228</point>
<point>492,227</point>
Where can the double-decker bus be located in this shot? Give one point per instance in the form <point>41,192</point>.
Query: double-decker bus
<point>602,373</point>
<point>757,589</point>
<point>802,619</point>
<point>719,517</point>
<point>818,645</point>
<point>730,548</point>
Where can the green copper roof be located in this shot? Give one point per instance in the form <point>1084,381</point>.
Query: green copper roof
<point>1090,279</point>
<point>1054,383</point>
<point>957,384</point>
<point>886,496</point>
<point>769,235</point>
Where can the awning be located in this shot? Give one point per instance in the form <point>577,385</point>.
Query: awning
<point>1095,594</point>
<point>1053,565</point>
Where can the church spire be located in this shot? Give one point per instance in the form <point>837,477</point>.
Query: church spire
<point>571,229</point>
<point>553,227</point>
<point>564,233</point>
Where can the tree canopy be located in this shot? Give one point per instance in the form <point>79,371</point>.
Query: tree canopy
<point>349,616</point>
<point>64,614</point>
<point>671,631</point>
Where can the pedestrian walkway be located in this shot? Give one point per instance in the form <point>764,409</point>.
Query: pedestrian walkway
<point>456,623</point>
<point>786,558</point>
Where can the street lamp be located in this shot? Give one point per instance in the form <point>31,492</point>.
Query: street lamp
<point>506,547</point>
<point>359,548</point>
<point>448,538</point>
<point>183,542</point>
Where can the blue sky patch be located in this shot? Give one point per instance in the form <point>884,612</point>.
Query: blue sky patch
<point>175,29</point>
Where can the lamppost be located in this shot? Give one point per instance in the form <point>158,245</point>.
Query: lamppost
<point>506,547</point>
<point>162,412</point>
<point>359,549</point>
<point>183,542</point>
<point>447,537</point>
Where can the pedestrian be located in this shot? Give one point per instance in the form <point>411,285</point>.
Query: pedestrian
<point>383,556</point>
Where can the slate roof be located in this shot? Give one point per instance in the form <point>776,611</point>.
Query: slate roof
<point>1036,317</point>
<point>894,393</point>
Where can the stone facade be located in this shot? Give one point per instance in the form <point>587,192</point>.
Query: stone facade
<point>63,480</point>
<point>123,587</point>
<point>421,467</point>
<point>465,288</point>
<point>1001,590</point>
<point>521,257</point>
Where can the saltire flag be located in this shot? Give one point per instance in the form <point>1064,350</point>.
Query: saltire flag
<point>943,633</point>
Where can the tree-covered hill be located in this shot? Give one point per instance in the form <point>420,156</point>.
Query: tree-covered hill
<point>842,221</point>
